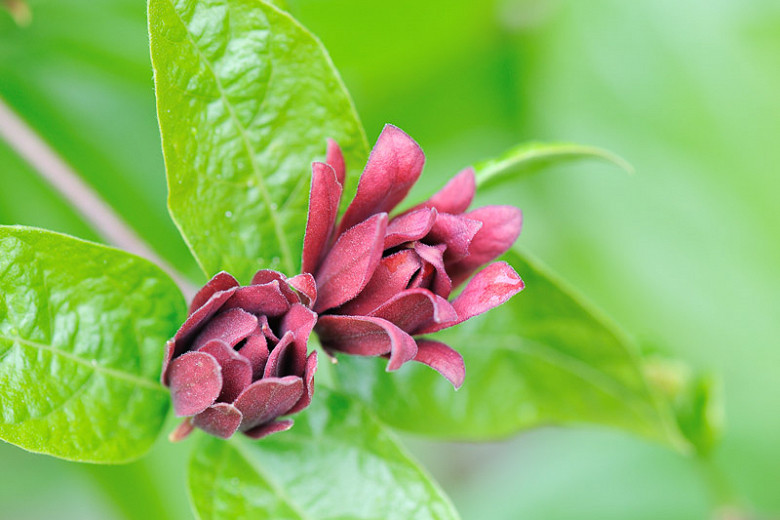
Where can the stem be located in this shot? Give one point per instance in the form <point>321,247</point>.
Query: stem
<point>102,217</point>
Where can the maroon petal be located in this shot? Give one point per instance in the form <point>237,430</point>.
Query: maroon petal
<point>265,328</point>
<point>491,287</point>
<point>307,286</point>
<point>236,369</point>
<point>267,399</point>
<point>196,380</point>
<point>220,282</point>
<point>443,359</point>
<point>230,326</point>
<point>335,159</point>
<point>308,384</point>
<point>191,326</point>
<point>366,336</point>
<point>350,263</point>
<point>324,199</point>
<point>500,228</point>
<point>391,276</point>
<point>264,276</point>
<point>256,351</point>
<point>409,227</point>
<point>441,283</point>
<point>394,165</point>
<point>221,420</point>
<point>415,309</point>
<point>424,277</point>
<point>259,299</point>
<point>300,321</point>
<point>456,196</point>
<point>282,360</point>
<point>264,430</point>
<point>456,232</point>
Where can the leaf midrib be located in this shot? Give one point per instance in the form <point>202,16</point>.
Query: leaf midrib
<point>117,374</point>
<point>280,235</point>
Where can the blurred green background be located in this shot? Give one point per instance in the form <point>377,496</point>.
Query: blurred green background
<point>685,254</point>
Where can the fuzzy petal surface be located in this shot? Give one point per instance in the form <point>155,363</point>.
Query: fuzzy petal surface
<point>195,379</point>
<point>221,281</point>
<point>409,227</point>
<point>230,327</point>
<point>443,359</point>
<point>416,309</point>
<point>267,399</point>
<point>500,228</point>
<point>324,199</point>
<point>366,336</point>
<point>236,369</point>
<point>351,262</point>
<point>221,420</point>
<point>393,167</point>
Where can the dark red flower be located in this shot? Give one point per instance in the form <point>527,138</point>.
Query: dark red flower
<point>239,360</point>
<point>383,280</point>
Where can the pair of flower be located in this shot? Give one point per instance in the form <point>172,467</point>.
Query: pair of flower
<point>371,285</point>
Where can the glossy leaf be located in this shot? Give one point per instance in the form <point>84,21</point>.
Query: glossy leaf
<point>337,462</point>
<point>82,330</point>
<point>246,100</point>
<point>543,358</point>
<point>529,158</point>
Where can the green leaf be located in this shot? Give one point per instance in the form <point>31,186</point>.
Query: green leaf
<point>529,158</point>
<point>337,462</point>
<point>544,357</point>
<point>246,99</point>
<point>82,332</point>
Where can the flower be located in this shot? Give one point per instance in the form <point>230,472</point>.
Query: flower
<point>239,360</point>
<point>382,280</point>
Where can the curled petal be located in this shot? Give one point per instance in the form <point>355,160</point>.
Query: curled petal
<point>265,328</point>
<point>335,159</point>
<point>307,286</point>
<point>236,369</point>
<point>456,232</point>
<point>391,276</point>
<point>300,322</point>
<point>443,359</point>
<point>193,323</point>
<point>441,283</point>
<point>324,199</point>
<point>182,431</point>
<point>282,359</point>
<point>456,196</point>
<point>366,336</point>
<point>267,399</point>
<point>393,167</point>
<point>350,263</point>
<point>230,326</point>
<point>491,287</point>
<point>409,227</point>
<point>264,276</point>
<point>221,420</point>
<point>308,384</point>
<point>501,227</point>
<point>195,379</point>
<point>256,351</point>
<point>259,299</point>
<point>264,430</point>
<point>415,309</point>
<point>221,281</point>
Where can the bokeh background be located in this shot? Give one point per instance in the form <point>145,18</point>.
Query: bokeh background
<point>685,253</point>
